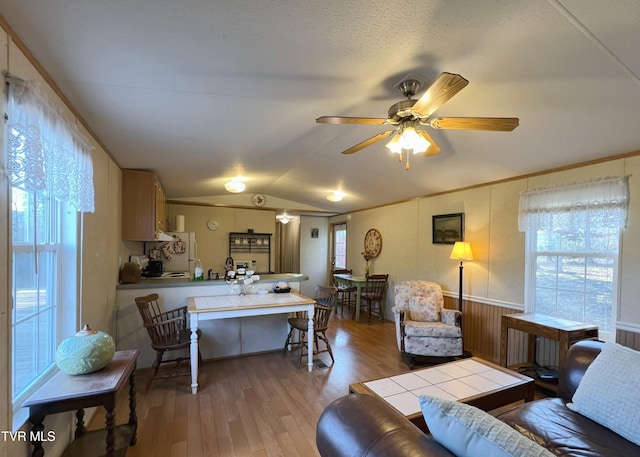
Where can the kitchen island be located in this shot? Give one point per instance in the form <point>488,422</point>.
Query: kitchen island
<point>220,338</point>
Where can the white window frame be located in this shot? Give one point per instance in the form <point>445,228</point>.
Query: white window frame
<point>531,255</point>
<point>66,301</point>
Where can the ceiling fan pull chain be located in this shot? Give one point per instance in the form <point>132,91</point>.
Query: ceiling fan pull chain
<point>407,166</point>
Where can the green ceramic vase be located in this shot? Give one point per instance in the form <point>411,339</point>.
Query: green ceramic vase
<point>85,352</point>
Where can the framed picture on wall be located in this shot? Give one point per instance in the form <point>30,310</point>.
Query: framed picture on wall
<point>315,233</point>
<point>448,228</point>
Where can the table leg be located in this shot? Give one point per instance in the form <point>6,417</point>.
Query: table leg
<point>133,419</point>
<point>80,427</point>
<point>504,340</point>
<point>310,338</point>
<point>37,431</point>
<point>358,292</point>
<point>531,348</point>
<point>110,424</point>
<point>194,353</point>
<point>563,348</point>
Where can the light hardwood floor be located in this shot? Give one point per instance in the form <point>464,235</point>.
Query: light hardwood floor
<point>260,405</point>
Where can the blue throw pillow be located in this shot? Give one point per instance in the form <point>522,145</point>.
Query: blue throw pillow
<point>467,431</point>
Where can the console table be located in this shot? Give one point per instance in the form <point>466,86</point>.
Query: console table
<point>65,392</point>
<point>564,331</point>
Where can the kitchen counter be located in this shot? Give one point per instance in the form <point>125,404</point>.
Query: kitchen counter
<point>159,283</point>
<point>220,338</point>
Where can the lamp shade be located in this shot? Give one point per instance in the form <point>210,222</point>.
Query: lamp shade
<point>461,251</point>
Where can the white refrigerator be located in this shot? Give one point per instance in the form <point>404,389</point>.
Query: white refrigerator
<point>177,255</point>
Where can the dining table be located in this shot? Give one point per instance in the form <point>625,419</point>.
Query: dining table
<point>241,305</point>
<point>350,280</point>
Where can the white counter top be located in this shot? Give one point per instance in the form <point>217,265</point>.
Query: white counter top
<point>159,283</point>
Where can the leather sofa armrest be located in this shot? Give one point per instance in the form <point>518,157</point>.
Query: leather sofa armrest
<point>365,426</point>
<point>578,359</point>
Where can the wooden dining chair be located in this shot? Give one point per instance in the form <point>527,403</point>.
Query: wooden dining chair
<point>168,331</point>
<point>346,293</point>
<point>373,295</point>
<point>325,297</point>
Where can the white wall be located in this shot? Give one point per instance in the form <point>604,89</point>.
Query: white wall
<point>314,253</point>
<point>496,275</point>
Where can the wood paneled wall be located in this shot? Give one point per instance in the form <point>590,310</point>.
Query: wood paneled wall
<point>629,339</point>
<point>481,332</point>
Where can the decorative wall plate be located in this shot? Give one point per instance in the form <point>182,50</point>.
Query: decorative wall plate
<point>372,244</point>
<point>258,199</point>
<point>213,224</point>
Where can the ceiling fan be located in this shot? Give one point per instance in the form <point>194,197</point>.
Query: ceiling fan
<point>411,113</point>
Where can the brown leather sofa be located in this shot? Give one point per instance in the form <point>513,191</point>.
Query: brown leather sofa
<point>362,425</point>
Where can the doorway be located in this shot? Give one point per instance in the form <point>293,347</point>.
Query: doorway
<point>288,246</point>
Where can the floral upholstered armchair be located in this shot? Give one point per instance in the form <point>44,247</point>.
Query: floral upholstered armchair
<point>423,326</point>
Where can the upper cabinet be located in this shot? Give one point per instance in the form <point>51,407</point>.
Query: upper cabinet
<point>143,206</point>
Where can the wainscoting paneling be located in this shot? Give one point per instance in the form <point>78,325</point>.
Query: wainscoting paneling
<point>629,339</point>
<point>481,324</point>
<point>481,331</point>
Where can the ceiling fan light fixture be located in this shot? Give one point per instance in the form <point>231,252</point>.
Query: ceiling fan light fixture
<point>411,140</point>
<point>335,196</point>
<point>394,145</point>
<point>234,186</point>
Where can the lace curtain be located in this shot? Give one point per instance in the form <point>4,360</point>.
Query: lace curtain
<point>556,208</point>
<point>45,152</point>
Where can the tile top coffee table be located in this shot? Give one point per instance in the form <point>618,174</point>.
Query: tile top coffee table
<point>473,381</point>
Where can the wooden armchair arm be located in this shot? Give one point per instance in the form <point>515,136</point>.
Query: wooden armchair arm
<point>172,314</point>
<point>167,331</point>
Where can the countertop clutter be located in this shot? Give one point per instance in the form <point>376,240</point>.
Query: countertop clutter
<point>162,282</point>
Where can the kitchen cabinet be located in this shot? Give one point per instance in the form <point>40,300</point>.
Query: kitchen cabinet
<point>143,206</point>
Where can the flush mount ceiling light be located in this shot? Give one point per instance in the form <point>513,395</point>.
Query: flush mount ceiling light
<point>335,196</point>
<point>234,186</point>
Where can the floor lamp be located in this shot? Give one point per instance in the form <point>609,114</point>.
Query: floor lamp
<point>461,251</point>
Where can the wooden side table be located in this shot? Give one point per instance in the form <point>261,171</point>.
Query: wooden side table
<point>565,332</point>
<point>65,392</point>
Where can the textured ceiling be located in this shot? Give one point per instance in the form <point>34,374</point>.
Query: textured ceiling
<point>203,91</point>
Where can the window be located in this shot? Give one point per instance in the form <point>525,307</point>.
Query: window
<point>572,246</point>
<point>51,178</point>
<point>340,246</point>
<point>36,248</point>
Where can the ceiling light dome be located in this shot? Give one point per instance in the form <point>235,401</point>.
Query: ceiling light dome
<point>335,196</point>
<point>234,186</point>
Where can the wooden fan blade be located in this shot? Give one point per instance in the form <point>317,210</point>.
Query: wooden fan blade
<point>350,120</point>
<point>503,124</point>
<point>442,89</point>
<point>369,142</point>
<point>433,148</point>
